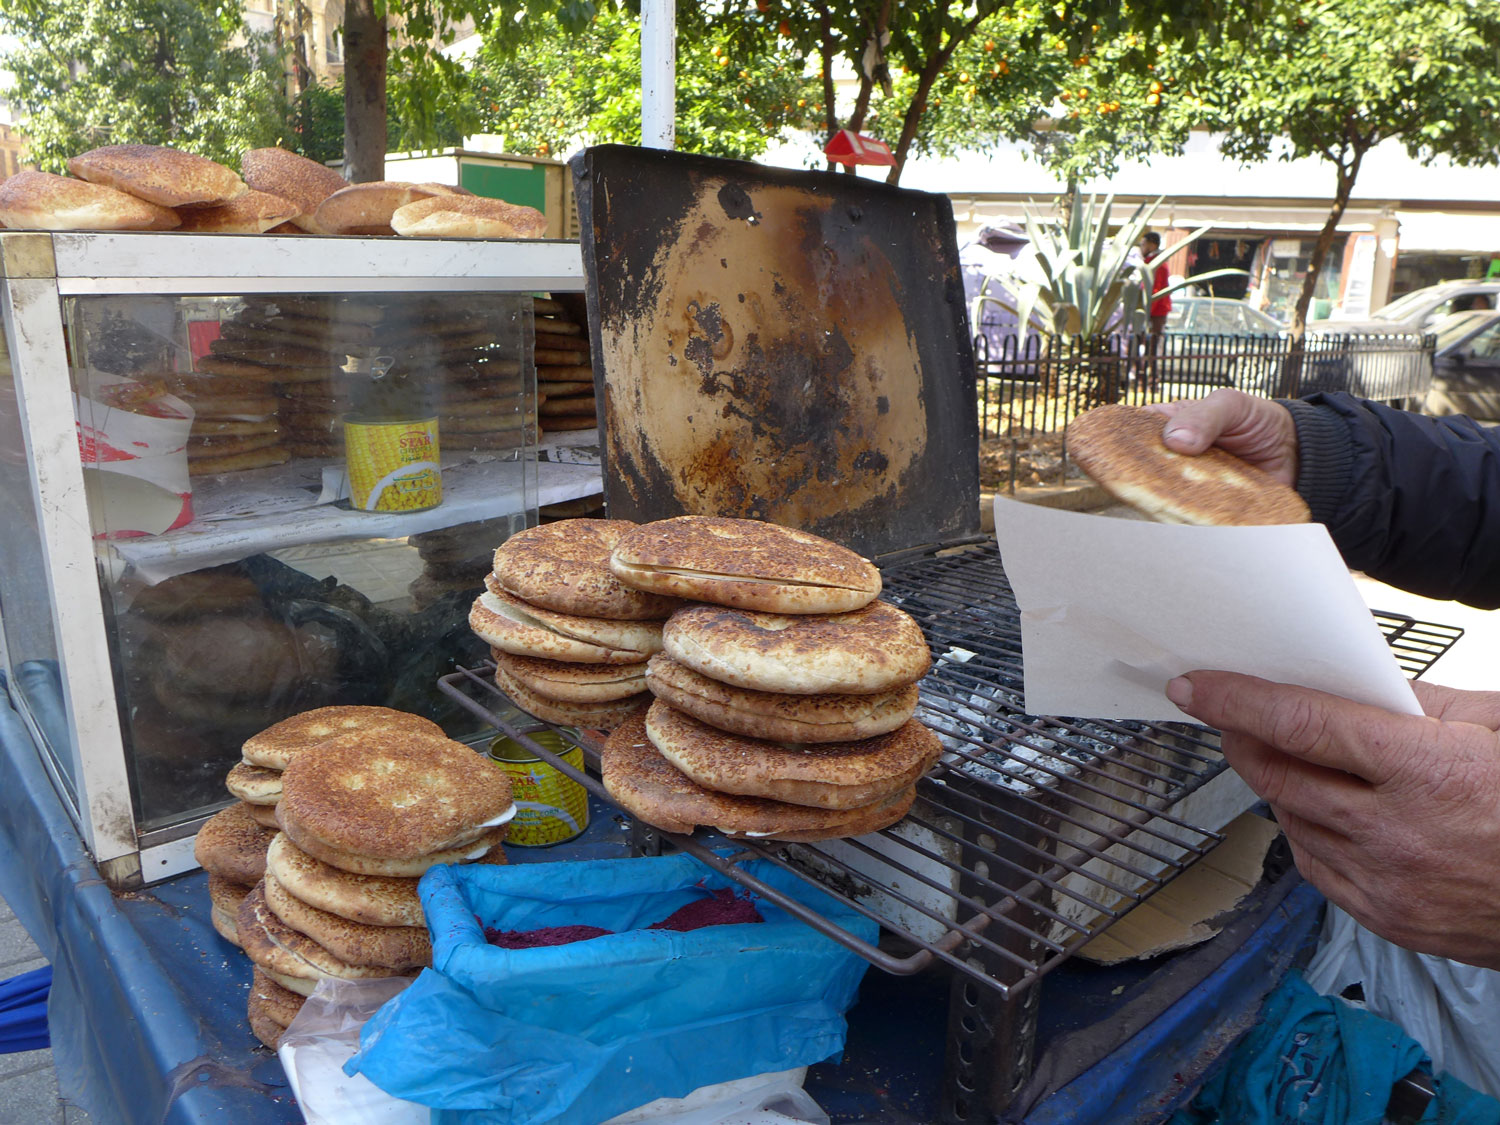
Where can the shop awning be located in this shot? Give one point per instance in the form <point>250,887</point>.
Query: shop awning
<point>1449,234</point>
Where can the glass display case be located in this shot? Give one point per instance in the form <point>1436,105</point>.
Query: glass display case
<point>245,476</point>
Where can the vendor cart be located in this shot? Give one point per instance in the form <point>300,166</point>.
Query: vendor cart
<point>726,387</point>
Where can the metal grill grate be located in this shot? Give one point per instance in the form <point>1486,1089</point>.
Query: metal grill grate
<point>1032,835</point>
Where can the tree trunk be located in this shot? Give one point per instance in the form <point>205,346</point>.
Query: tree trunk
<point>1291,369</point>
<point>825,57</point>
<point>1347,174</point>
<point>925,81</point>
<point>364,92</point>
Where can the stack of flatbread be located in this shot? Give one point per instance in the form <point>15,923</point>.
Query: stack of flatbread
<point>784,701</point>
<point>564,373</point>
<point>234,423</point>
<point>465,359</point>
<point>366,800</point>
<point>300,346</point>
<point>570,641</point>
<point>313,355</point>
<point>455,560</point>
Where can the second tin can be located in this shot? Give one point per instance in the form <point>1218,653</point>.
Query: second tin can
<point>550,806</point>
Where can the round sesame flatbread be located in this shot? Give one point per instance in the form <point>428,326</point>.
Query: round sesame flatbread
<point>830,775</point>
<point>778,715</point>
<point>233,846</point>
<point>477,851</point>
<point>165,176</point>
<point>285,954</point>
<point>573,683</point>
<point>279,1003</point>
<point>276,746</point>
<point>1121,448</point>
<point>511,625</point>
<point>744,563</point>
<point>224,900</point>
<point>874,649</point>
<point>262,1025</point>
<point>391,795</point>
<point>397,948</point>
<point>373,899</point>
<point>264,815</point>
<point>255,785</point>
<point>594,716</point>
<point>564,566</point>
<point>654,791</point>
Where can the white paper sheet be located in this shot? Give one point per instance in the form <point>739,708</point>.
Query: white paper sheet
<point>1111,609</point>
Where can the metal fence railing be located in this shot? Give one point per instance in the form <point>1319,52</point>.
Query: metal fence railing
<point>1037,385</point>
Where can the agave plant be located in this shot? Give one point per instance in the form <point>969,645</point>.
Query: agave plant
<point>1083,280</point>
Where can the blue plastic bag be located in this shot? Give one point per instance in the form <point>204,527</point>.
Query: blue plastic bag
<point>574,1034</point>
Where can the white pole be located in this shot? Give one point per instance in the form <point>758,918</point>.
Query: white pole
<point>658,73</point>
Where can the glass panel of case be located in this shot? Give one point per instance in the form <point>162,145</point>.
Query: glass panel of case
<point>30,642</point>
<point>296,498</point>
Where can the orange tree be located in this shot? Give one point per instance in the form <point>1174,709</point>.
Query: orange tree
<point>1334,79</point>
<point>911,59</point>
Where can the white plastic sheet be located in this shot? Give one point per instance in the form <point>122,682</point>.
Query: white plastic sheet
<point>322,1038</point>
<point>1452,1009</point>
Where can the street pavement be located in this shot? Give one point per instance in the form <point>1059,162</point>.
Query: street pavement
<point>28,1084</point>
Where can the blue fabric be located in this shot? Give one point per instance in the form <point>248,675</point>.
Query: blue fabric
<point>1315,1060</point>
<point>574,1034</point>
<point>147,1006</point>
<point>23,1011</point>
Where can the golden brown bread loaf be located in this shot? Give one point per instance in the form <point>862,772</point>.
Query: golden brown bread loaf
<point>778,715</point>
<point>391,794</point>
<point>165,176</point>
<point>564,566</point>
<point>304,182</point>
<point>254,212</point>
<point>470,216</point>
<point>874,649</point>
<point>829,775</point>
<point>42,201</point>
<point>367,208</point>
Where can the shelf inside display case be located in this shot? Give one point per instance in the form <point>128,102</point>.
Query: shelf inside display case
<point>292,505</point>
<point>193,559</point>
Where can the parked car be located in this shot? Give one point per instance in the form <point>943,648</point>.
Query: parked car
<point>1421,309</point>
<point>1217,342</point>
<point>1220,316</point>
<point>1466,366</point>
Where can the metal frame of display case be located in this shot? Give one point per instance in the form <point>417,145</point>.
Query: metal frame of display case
<point>39,270</point>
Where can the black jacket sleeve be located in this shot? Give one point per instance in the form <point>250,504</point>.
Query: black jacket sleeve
<point>1410,500</point>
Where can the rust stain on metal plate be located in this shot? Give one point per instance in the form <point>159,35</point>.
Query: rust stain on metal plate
<point>770,380</point>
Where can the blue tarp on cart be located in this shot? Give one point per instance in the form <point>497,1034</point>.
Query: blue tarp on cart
<point>147,1006</point>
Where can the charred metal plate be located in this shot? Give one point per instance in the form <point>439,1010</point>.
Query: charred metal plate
<point>779,345</point>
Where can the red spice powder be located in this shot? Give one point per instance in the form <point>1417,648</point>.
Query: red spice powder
<point>547,935</point>
<point>722,908</point>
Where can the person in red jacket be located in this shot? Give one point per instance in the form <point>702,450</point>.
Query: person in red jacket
<point>1160,279</point>
<point>1159,307</point>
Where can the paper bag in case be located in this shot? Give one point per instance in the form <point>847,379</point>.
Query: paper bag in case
<point>132,437</point>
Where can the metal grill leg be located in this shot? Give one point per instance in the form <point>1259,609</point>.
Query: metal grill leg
<point>991,1040</point>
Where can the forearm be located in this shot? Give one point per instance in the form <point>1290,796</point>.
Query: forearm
<point>1410,500</point>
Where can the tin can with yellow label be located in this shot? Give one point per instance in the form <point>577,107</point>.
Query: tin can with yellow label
<point>550,806</point>
<point>393,465</point>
